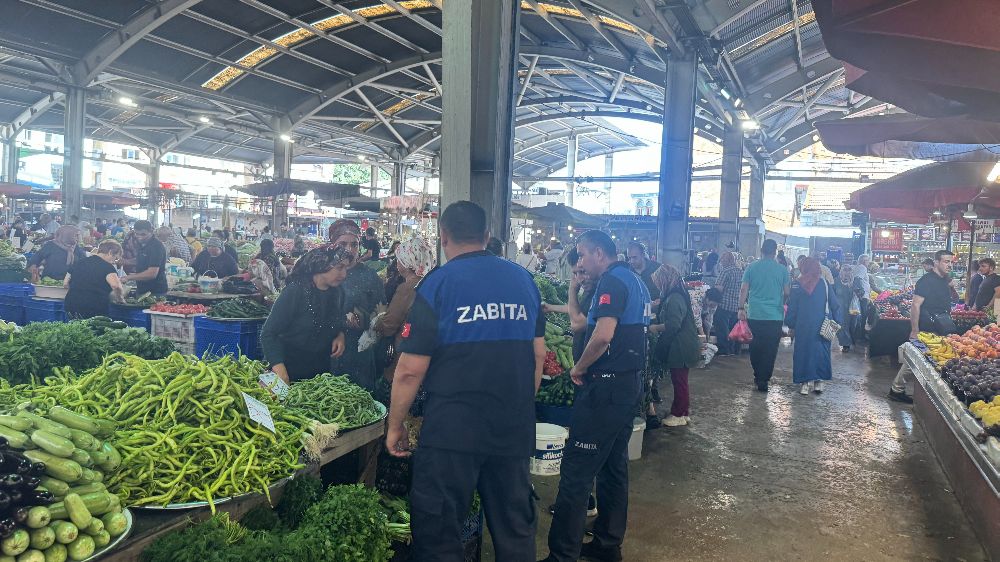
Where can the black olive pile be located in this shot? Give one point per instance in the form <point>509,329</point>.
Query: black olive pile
<point>973,379</point>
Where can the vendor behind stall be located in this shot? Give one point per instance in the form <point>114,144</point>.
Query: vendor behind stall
<point>306,325</point>
<point>57,255</point>
<point>150,261</point>
<point>93,282</point>
<point>176,245</point>
<point>215,259</point>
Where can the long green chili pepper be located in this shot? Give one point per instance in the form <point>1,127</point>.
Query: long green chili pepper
<point>333,399</point>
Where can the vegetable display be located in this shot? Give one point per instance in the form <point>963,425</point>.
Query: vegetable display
<point>562,345</point>
<point>238,308</point>
<point>50,282</point>
<point>143,300</point>
<point>9,259</point>
<point>179,308</point>
<point>328,398</point>
<point>182,431</point>
<point>548,289</point>
<point>557,393</point>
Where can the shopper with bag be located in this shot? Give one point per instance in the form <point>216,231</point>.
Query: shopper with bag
<point>850,308</point>
<point>811,302</point>
<point>931,312</point>
<point>726,314</point>
<point>762,300</point>
<point>677,347</point>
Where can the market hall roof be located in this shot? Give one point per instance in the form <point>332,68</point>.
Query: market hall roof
<point>361,78</point>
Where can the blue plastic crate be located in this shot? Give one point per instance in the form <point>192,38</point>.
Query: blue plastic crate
<point>12,309</point>
<point>131,315</point>
<point>17,289</point>
<point>558,415</point>
<point>43,310</point>
<point>217,337</point>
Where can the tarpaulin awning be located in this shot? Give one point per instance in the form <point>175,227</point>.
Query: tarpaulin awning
<point>902,135</point>
<point>14,189</point>
<point>321,190</point>
<point>921,97</point>
<point>918,192</point>
<point>559,213</point>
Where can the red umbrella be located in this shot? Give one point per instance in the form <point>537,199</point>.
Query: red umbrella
<point>916,193</point>
<point>901,135</point>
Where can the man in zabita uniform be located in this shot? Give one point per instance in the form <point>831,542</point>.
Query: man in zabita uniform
<point>475,340</point>
<point>610,385</point>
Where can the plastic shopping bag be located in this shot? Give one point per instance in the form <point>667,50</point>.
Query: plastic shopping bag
<point>855,307</point>
<point>741,332</point>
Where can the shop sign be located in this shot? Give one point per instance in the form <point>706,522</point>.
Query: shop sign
<point>889,239</point>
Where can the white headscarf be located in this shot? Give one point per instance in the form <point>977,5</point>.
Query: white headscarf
<point>416,254</point>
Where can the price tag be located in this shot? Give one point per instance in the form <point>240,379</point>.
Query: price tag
<point>272,383</point>
<point>259,412</point>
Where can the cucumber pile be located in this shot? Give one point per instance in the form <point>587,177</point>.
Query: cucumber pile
<point>58,506</point>
<point>562,345</point>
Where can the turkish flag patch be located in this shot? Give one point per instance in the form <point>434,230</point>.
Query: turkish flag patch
<point>605,299</point>
<point>406,330</point>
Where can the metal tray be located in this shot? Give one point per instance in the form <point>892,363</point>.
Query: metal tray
<point>215,501</point>
<point>115,541</point>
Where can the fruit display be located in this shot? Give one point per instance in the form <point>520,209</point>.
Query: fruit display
<point>972,379</point>
<point>966,319</point>
<point>552,368</point>
<point>988,412</point>
<point>939,349</point>
<point>894,305</point>
<point>980,342</point>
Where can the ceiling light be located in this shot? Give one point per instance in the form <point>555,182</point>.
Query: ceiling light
<point>696,130</point>
<point>749,125</point>
<point>285,137</point>
<point>708,126</point>
<point>994,173</point>
<point>937,213</point>
<point>886,234</point>
<point>570,228</point>
<point>361,157</point>
<point>125,100</point>
<point>970,214</point>
<point>724,93</point>
<point>717,139</point>
<point>815,138</point>
<point>205,120</point>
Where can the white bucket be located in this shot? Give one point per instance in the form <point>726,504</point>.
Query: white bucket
<point>635,441</point>
<point>550,441</point>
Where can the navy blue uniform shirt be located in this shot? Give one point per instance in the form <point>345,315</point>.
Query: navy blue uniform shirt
<point>477,317</point>
<point>621,294</point>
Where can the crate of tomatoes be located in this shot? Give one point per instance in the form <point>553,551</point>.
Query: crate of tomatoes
<point>175,322</point>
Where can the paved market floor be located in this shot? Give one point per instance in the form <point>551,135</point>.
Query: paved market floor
<point>846,475</point>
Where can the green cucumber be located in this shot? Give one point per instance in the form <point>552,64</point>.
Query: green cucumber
<point>96,526</point>
<point>56,553</point>
<point>115,523</point>
<point>101,539</point>
<point>48,425</point>
<point>106,428</point>
<point>42,538</point>
<point>84,440</point>
<point>31,555</point>
<point>73,420</point>
<point>78,512</point>
<point>15,422</point>
<point>52,443</point>
<point>97,503</point>
<point>82,548</point>
<point>82,457</point>
<point>66,470</point>
<point>16,543</point>
<point>16,439</point>
<point>66,532</point>
<point>54,485</point>
<point>38,517</point>
<point>114,457</point>
<point>84,489</point>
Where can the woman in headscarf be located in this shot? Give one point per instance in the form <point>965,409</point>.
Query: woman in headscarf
<point>269,257</point>
<point>677,347</point>
<point>57,255</point>
<point>363,292</point>
<point>810,301</point>
<point>93,281</point>
<point>306,326</point>
<point>414,259</point>
<point>843,288</point>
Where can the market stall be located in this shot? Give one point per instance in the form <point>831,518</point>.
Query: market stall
<point>970,459</point>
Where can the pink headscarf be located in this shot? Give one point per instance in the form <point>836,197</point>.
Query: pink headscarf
<point>809,274</point>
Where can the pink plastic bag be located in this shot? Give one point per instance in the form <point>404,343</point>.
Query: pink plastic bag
<point>741,332</point>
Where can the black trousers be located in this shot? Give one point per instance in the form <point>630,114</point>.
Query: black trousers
<point>724,322</point>
<point>603,410</point>
<point>441,495</point>
<point>859,334</point>
<point>764,348</point>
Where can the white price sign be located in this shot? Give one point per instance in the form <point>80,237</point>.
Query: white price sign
<point>259,412</point>
<point>272,383</point>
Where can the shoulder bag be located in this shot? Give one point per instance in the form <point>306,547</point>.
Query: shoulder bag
<point>829,328</point>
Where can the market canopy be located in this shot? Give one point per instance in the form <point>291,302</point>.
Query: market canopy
<point>287,186</point>
<point>932,58</point>
<point>901,135</point>
<point>559,213</point>
<point>914,194</point>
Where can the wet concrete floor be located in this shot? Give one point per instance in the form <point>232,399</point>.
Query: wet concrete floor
<point>846,475</point>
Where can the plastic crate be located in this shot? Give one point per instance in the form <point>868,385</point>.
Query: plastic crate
<point>17,289</point>
<point>43,310</point>
<point>12,309</point>
<point>174,327</point>
<point>558,415</point>
<point>218,337</point>
<point>131,315</point>
<point>12,275</point>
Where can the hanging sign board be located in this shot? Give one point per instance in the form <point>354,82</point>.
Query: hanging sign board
<point>887,240</point>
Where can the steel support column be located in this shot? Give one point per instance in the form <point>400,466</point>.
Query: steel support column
<point>609,171</point>
<point>479,50</point>
<point>75,119</point>
<point>398,178</point>
<point>676,160</point>
<point>282,170</point>
<point>757,174</point>
<point>373,192</point>
<point>732,172</point>
<point>153,186</point>
<point>11,154</point>
<point>572,149</point>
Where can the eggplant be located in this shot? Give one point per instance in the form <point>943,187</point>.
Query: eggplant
<point>37,469</point>
<point>21,514</point>
<point>11,481</point>
<point>7,527</point>
<point>30,483</point>
<point>16,496</point>
<point>24,467</point>
<point>4,444</point>
<point>38,497</point>
<point>4,502</point>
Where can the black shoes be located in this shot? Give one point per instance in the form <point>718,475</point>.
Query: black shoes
<point>845,349</point>
<point>655,395</point>
<point>591,551</point>
<point>762,387</point>
<point>900,397</point>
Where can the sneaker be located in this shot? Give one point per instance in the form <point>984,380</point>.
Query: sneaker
<point>818,387</point>
<point>652,421</point>
<point>675,421</point>
<point>900,397</point>
<point>591,551</point>
<point>806,388</point>
<point>591,506</point>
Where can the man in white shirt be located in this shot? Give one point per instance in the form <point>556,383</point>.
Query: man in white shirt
<point>864,298</point>
<point>552,256</point>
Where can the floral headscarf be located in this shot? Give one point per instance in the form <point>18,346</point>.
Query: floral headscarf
<point>342,227</point>
<point>416,254</point>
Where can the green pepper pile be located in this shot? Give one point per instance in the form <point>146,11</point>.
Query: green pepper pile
<point>238,308</point>
<point>333,399</point>
<point>183,430</point>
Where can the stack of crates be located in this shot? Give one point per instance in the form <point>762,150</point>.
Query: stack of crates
<point>44,310</point>
<point>227,337</point>
<point>178,328</point>
<point>12,297</point>
<point>134,316</point>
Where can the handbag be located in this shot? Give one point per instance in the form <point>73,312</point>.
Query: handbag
<point>830,327</point>
<point>942,323</point>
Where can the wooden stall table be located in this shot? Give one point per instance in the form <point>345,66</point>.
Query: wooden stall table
<point>148,525</point>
